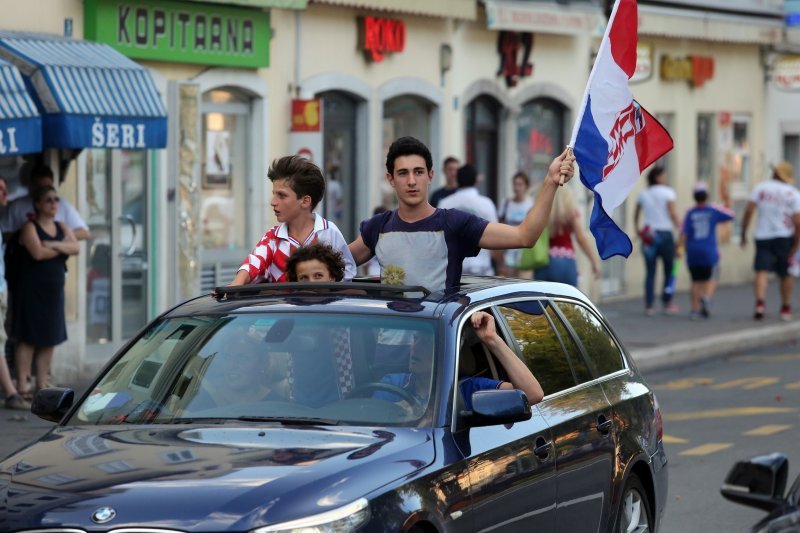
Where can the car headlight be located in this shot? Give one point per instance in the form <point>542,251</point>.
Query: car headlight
<point>347,518</point>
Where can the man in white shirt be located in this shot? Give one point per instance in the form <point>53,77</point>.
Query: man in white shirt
<point>21,211</point>
<point>777,234</point>
<point>468,198</point>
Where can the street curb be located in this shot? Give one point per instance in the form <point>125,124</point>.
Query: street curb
<point>714,345</point>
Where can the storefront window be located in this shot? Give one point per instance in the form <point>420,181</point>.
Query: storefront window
<point>540,136</point>
<point>406,115</point>
<point>705,152</point>
<point>224,188</point>
<point>483,125</point>
<point>339,122</point>
<point>734,164</point>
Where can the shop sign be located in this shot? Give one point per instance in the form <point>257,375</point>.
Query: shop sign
<point>207,34</point>
<point>8,141</point>
<point>117,135</point>
<point>644,63</point>
<point>786,73</point>
<point>377,36</point>
<point>515,52</point>
<point>306,115</point>
<point>694,69</point>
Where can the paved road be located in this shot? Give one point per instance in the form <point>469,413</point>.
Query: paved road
<point>719,412</point>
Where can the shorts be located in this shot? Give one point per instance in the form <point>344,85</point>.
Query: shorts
<point>773,255</point>
<point>701,273</point>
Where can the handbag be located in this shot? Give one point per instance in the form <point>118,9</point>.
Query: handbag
<point>538,255</point>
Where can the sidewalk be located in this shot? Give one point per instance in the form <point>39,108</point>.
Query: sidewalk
<point>660,340</point>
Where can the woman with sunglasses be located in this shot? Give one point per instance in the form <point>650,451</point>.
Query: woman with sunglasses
<point>39,323</point>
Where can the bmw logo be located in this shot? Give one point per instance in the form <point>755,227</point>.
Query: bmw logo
<point>103,515</point>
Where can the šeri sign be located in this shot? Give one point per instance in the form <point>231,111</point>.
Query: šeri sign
<point>207,34</point>
<point>378,36</point>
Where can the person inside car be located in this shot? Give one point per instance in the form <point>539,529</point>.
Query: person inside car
<point>416,381</point>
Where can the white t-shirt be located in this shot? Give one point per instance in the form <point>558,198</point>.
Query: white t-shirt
<point>21,211</point>
<point>470,200</point>
<point>654,202</point>
<point>513,213</point>
<point>777,202</point>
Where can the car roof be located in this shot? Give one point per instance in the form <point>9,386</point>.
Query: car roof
<point>367,295</point>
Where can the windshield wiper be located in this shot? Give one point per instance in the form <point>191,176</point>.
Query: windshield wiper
<point>291,421</point>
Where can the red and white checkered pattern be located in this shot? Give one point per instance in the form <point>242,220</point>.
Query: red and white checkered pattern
<point>343,359</point>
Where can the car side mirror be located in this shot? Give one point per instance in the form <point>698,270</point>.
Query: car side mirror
<point>758,482</point>
<point>495,407</point>
<point>52,404</point>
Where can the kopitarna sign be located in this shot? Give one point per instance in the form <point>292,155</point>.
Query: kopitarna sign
<point>181,32</point>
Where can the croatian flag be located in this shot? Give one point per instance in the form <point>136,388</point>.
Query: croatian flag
<point>614,138</point>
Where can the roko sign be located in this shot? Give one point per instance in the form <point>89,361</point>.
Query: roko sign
<point>378,36</point>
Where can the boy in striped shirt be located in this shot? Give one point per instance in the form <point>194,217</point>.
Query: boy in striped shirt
<point>297,188</point>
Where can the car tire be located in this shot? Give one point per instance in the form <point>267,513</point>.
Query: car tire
<point>634,514</point>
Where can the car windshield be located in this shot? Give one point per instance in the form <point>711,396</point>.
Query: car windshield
<point>290,368</point>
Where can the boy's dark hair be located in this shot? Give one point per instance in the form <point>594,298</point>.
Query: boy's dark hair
<point>654,174</point>
<point>524,177</point>
<point>467,176</point>
<point>322,252</point>
<point>408,146</point>
<point>700,196</point>
<point>304,177</point>
<point>448,160</point>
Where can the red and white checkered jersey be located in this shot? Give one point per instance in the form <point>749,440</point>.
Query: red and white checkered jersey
<point>267,261</point>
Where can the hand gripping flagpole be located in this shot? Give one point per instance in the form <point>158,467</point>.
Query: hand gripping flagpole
<point>563,175</point>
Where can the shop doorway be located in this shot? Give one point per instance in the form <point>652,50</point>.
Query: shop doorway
<point>117,280</point>
<point>339,160</point>
<point>483,134</point>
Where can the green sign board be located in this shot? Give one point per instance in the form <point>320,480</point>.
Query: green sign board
<point>181,32</point>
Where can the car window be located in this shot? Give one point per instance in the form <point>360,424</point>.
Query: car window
<point>580,370</point>
<point>273,366</point>
<point>539,345</point>
<point>597,341</point>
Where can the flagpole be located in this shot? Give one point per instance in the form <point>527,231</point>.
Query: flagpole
<point>563,176</point>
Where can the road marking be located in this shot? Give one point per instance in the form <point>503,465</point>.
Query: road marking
<point>687,383</point>
<point>747,383</point>
<point>767,358</point>
<point>769,429</point>
<point>669,439</point>
<point>724,413</point>
<point>707,449</point>
<point>795,385</point>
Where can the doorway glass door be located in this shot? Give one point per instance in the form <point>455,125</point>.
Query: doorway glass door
<point>117,280</point>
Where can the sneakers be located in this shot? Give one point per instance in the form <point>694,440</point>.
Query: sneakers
<point>695,316</point>
<point>759,313</point>
<point>704,307</point>
<point>15,401</point>
<point>786,313</point>
<point>671,309</point>
<point>649,311</point>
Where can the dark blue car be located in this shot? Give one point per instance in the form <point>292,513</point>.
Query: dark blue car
<point>269,409</point>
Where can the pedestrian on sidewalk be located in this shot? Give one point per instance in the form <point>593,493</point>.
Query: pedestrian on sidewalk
<point>776,234</point>
<point>513,211</point>
<point>13,400</point>
<point>699,240</point>
<point>657,202</point>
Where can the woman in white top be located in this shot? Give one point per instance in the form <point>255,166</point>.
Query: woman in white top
<point>512,211</point>
<point>658,204</point>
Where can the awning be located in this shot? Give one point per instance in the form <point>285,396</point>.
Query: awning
<point>263,4</point>
<point>20,123</point>
<point>89,95</point>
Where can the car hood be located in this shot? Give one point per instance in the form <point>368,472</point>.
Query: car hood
<point>210,478</point>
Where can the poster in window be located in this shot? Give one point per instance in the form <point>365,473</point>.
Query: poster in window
<point>218,160</point>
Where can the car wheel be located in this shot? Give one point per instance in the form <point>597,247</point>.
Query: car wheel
<point>634,515</point>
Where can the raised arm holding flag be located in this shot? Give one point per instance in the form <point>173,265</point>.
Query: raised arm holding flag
<point>614,139</point>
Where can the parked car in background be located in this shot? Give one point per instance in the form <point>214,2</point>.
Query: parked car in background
<point>760,482</point>
<point>266,409</point>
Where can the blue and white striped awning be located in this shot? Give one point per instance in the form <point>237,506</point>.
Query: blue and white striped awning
<point>89,95</point>
<point>20,123</point>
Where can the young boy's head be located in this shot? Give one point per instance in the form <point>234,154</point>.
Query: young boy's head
<point>408,146</point>
<point>318,262</point>
<point>297,186</point>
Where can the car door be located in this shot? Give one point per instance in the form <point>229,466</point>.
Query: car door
<point>632,404</point>
<point>511,467</point>
<point>574,407</point>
